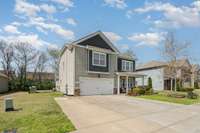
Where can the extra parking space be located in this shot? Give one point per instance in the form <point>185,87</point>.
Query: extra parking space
<point>117,114</point>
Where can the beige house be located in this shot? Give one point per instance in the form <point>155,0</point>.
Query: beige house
<point>161,74</point>
<point>41,76</point>
<point>3,83</point>
<point>195,74</point>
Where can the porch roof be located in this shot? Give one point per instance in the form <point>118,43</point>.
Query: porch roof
<point>132,74</point>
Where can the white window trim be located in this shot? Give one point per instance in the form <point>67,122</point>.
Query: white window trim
<point>125,62</point>
<point>105,61</point>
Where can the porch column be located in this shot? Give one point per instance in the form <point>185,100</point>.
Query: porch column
<point>126,84</point>
<point>171,84</point>
<point>118,84</point>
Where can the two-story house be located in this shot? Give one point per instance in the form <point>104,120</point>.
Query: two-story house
<point>92,65</point>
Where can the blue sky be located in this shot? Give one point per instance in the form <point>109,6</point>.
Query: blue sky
<point>130,24</point>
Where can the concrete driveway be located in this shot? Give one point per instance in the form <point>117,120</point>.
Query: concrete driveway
<point>123,114</point>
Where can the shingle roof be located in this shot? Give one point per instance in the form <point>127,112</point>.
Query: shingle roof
<point>126,56</point>
<point>3,75</point>
<point>182,62</point>
<point>152,64</point>
<point>157,64</point>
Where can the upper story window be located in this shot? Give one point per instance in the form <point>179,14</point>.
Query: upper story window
<point>98,59</point>
<point>127,65</point>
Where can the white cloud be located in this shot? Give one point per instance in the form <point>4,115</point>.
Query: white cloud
<point>120,4</point>
<point>123,47</point>
<point>148,39</point>
<point>31,15</point>
<point>23,7</point>
<point>68,34</point>
<point>16,23</point>
<point>39,22</point>
<point>31,10</point>
<point>48,8</point>
<point>113,36</point>
<point>66,3</point>
<point>196,4</point>
<point>41,30</point>
<point>32,39</point>
<point>71,21</point>
<point>173,16</point>
<point>11,29</point>
<point>53,46</point>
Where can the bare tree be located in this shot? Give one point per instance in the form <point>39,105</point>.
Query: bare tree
<point>6,54</point>
<point>173,50</point>
<point>25,55</point>
<point>131,53</point>
<point>54,56</point>
<point>41,64</point>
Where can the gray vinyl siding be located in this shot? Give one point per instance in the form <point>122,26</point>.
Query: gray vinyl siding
<point>81,66</point>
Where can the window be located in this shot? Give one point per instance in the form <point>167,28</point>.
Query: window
<point>127,65</point>
<point>98,59</point>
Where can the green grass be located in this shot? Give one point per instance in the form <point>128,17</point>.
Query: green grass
<point>162,97</point>
<point>40,114</point>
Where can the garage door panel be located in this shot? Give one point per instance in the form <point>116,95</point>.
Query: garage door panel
<point>96,86</point>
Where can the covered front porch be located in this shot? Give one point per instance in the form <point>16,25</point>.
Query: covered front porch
<point>126,81</point>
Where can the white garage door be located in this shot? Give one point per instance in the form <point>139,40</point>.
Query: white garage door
<point>96,86</point>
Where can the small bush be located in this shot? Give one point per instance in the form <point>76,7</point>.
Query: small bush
<point>183,89</point>
<point>189,89</point>
<point>149,83</point>
<point>149,92</point>
<point>196,85</point>
<point>192,95</point>
<point>176,95</point>
<point>136,92</point>
<point>186,89</point>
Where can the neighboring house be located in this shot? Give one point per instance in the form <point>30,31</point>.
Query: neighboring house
<point>12,73</point>
<point>3,83</point>
<point>93,65</point>
<point>155,70</point>
<point>41,76</point>
<point>159,72</point>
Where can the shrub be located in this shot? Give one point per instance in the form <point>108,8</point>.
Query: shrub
<point>186,89</point>
<point>183,89</point>
<point>149,92</point>
<point>192,95</point>
<point>136,92</point>
<point>149,83</point>
<point>176,95</point>
<point>44,85</point>
<point>196,85</point>
<point>178,85</point>
<point>189,89</point>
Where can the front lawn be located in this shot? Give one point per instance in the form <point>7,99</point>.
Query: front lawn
<point>162,97</point>
<point>38,113</point>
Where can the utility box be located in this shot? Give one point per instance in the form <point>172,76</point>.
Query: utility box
<point>8,104</point>
<point>32,89</point>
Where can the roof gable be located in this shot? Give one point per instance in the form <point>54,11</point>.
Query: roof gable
<point>97,39</point>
